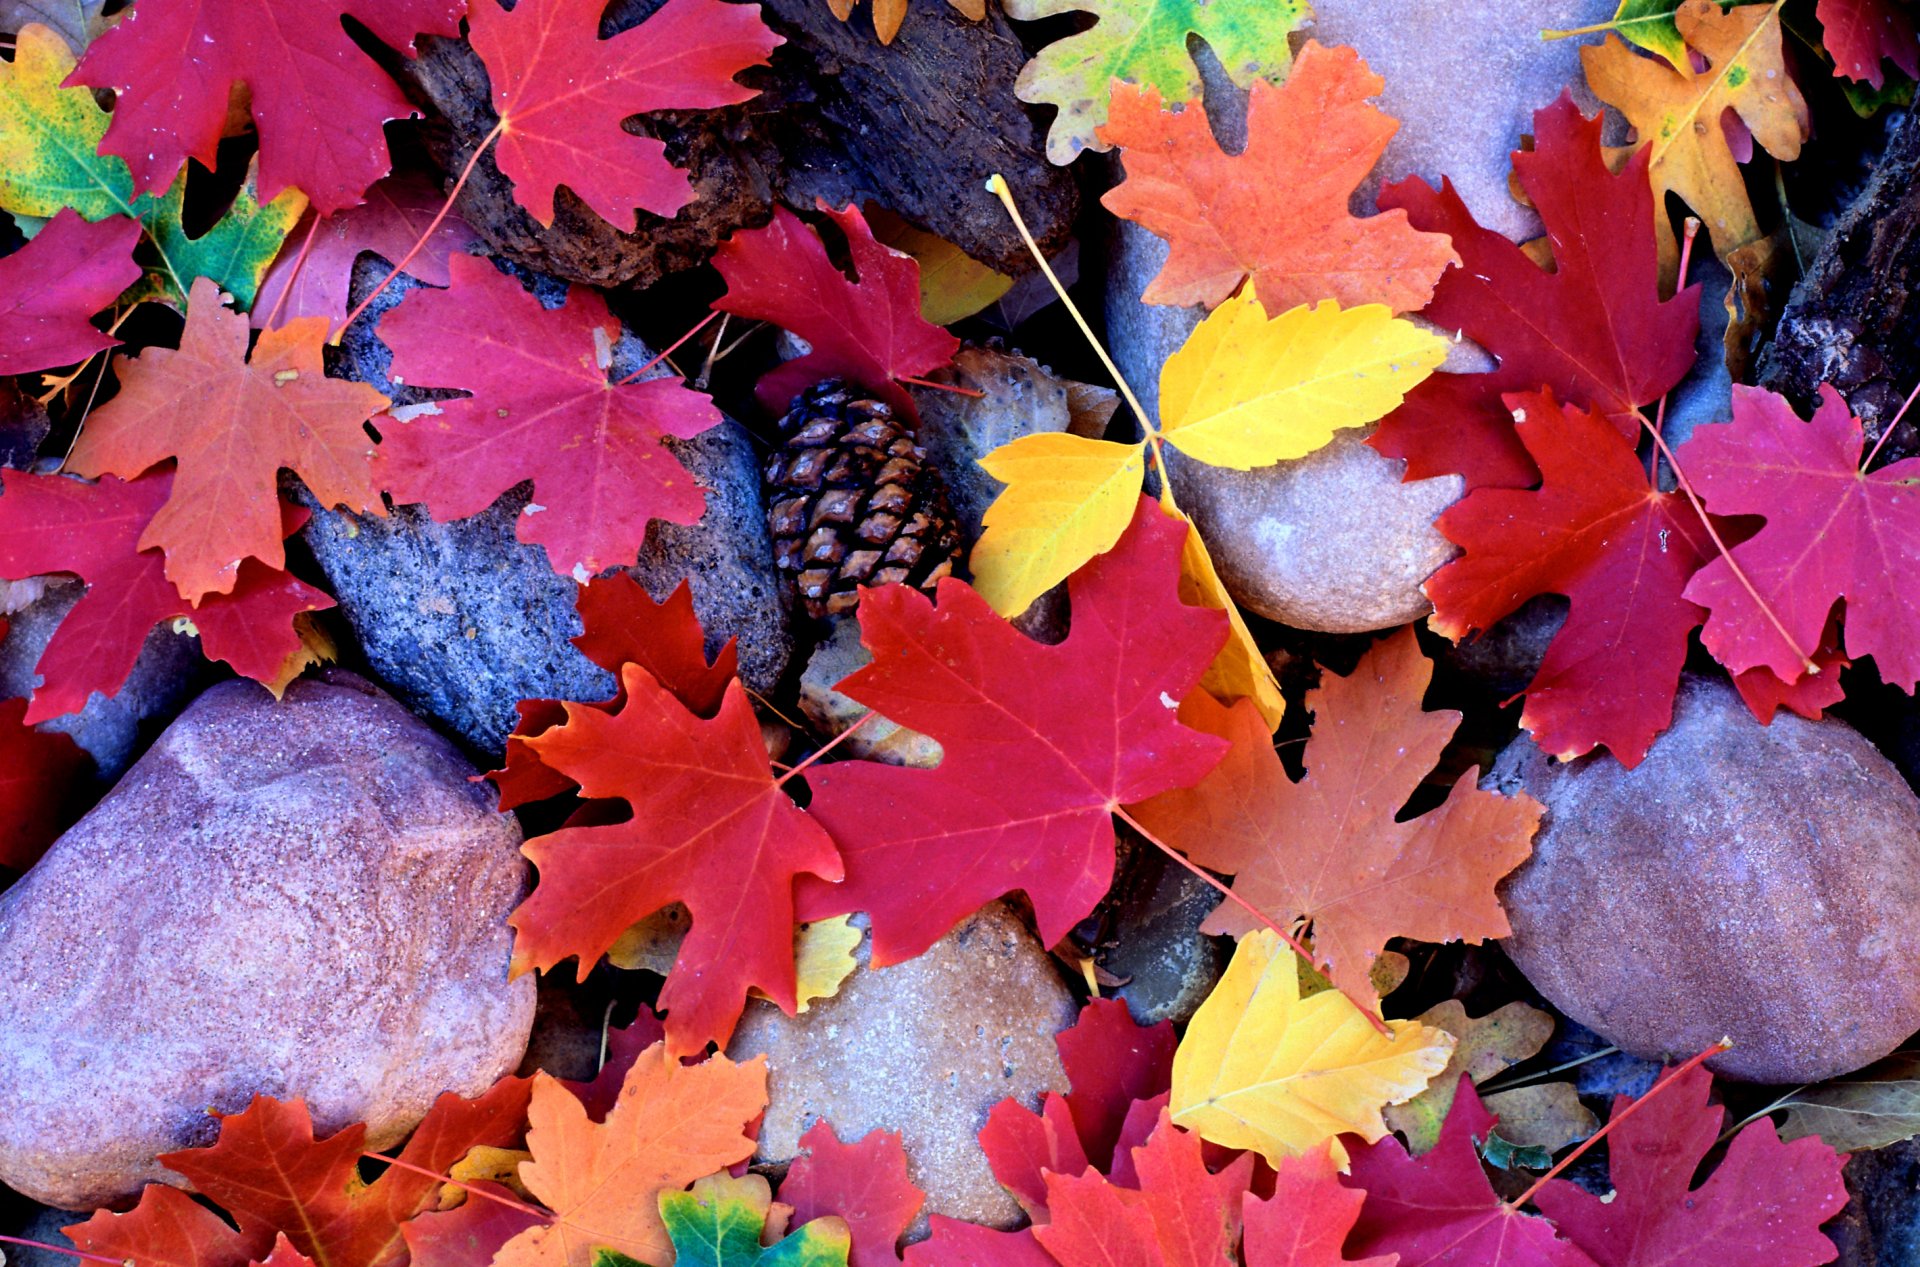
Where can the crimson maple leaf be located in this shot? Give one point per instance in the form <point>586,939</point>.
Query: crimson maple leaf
<point>397,211</point>
<point>50,287</point>
<point>868,330</point>
<point>269,1172</point>
<point>1832,532</point>
<point>1042,744</point>
<point>622,626</point>
<point>864,1183</point>
<point>1024,1147</point>
<point>1306,1220</point>
<point>953,1243</point>
<point>232,422</point>
<point>1438,1209</point>
<point>540,408</point>
<point>710,828</point>
<point>562,92</point>
<point>320,103</point>
<point>1860,34</point>
<point>39,773</point>
<point>1180,1215</point>
<point>1594,330</point>
<point>1764,1202</point>
<point>51,523</point>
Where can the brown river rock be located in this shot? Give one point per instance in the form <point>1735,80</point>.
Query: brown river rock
<point>303,898</point>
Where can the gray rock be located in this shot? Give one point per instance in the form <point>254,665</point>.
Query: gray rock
<point>305,898</point>
<point>112,730</point>
<point>1505,658</point>
<point>1167,965</point>
<point>44,1225</point>
<point>1756,882</point>
<point>1881,1225</point>
<point>926,1048</point>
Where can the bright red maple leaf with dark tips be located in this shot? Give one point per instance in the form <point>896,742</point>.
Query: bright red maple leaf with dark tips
<point>1763,1203</point>
<point>541,408</point>
<point>1860,34</point>
<point>1832,533</point>
<point>562,93</point>
<point>40,772</point>
<point>1594,330</point>
<point>864,1183</point>
<point>52,286</point>
<point>868,330</point>
<point>710,828</point>
<point>1042,744</point>
<point>321,104</point>
<point>53,523</point>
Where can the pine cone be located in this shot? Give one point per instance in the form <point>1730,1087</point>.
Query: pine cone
<point>855,501</point>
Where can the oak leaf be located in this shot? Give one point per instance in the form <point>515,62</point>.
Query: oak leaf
<point>1277,211</point>
<point>1331,848</point>
<point>562,94</point>
<point>51,287</point>
<point>888,14</point>
<point>540,407</point>
<point>864,1184</point>
<point>1042,743</point>
<point>232,422</point>
<point>1861,34</point>
<point>1306,1219</point>
<point>1264,1069</point>
<point>722,1221</point>
<point>75,21</point>
<point>1593,329</point>
<point>1486,1046</point>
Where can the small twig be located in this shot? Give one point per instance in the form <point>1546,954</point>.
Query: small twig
<point>742,337</point>
<point>1494,1084</point>
<point>1660,412</point>
<point>99,377</point>
<point>1904,406</point>
<point>706,367</point>
<point>940,387</point>
<point>671,349</point>
<point>71,1253</point>
<point>299,262</point>
<point>825,748</point>
<point>471,1190</point>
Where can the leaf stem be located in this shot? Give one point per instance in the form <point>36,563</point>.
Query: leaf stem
<point>1756,1115</point>
<point>955,388</point>
<point>1904,406</point>
<point>472,1190</point>
<point>825,748</point>
<point>71,1253</point>
<point>671,349</point>
<point>1492,1085</point>
<point>299,262</point>
<point>1660,411</point>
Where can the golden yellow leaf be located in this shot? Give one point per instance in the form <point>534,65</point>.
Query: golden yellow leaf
<point>1067,499</point>
<point>1239,670</point>
<point>953,285</point>
<point>823,957</point>
<point>1264,1069</point>
<point>1246,391</point>
<point>1678,116</point>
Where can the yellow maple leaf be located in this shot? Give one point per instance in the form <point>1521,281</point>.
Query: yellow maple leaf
<point>1262,1068</point>
<point>1239,671</point>
<point>1678,115</point>
<point>1067,499</point>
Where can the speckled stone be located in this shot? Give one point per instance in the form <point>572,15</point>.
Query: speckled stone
<point>926,1048</point>
<point>1761,883</point>
<point>304,898</point>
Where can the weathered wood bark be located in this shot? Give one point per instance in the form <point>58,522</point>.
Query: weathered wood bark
<point>1854,319</point>
<point>917,126</point>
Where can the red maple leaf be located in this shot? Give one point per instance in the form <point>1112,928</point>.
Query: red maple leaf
<point>1832,532</point>
<point>1438,1209</point>
<point>1594,330</point>
<point>1860,34</point>
<point>562,92</point>
<point>624,1044</point>
<point>269,1172</point>
<point>710,828</point>
<point>540,408</point>
<point>52,286</point>
<point>471,1232</point>
<point>39,773</point>
<point>1024,1147</point>
<point>1764,1202</point>
<point>321,104</point>
<point>284,1255</point>
<point>1042,744</point>
<point>1181,1215</point>
<point>396,212</point>
<point>868,331</point>
<point>957,1244</point>
<point>1306,1220</point>
<point>52,523</point>
<point>622,626</point>
<point>864,1183</point>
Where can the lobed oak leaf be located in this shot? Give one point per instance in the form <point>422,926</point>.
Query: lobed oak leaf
<point>1263,1069</point>
<point>74,21</point>
<point>1439,1209</point>
<point>39,774</point>
<point>1676,115</point>
<point>1593,330</point>
<point>1832,533</point>
<point>710,828</point>
<point>234,252</point>
<point>1331,848</point>
<point>1041,743</point>
<point>868,331</point>
<point>673,1124</point>
<point>1181,1214</point>
<point>1486,1046</point>
<point>562,94</point>
<point>722,1221</point>
<point>1277,211</point>
<point>888,14</point>
<point>956,1244</point>
<point>51,287</point>
<point>1763,1203</point>
<point>540,407</point>
<point>1145,42</point>
<point>1306,1219</point>
<point>864,1184</point>
<point>1861,34</point>
<point>232,422</point>
<point>320,103</point>
<point>50,523</point>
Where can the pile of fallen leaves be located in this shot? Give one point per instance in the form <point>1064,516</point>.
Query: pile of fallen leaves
<point>1263,1134</point>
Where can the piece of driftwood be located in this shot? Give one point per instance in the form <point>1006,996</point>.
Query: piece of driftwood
<point>916,126</point>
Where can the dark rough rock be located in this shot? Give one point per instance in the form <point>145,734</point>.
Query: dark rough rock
<point>1505,658</point>
<point>1755,882</point>
<point>840,117</point>
<point>1881,1225</point>
<point>304,898</point>
<point>1167,966</point>
<point>926,1048</point>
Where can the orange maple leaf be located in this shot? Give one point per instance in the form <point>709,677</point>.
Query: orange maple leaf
<point>1278,211</point>
<point>232,424</point>
<point>672,1124</point>
<point>1328,848</point>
